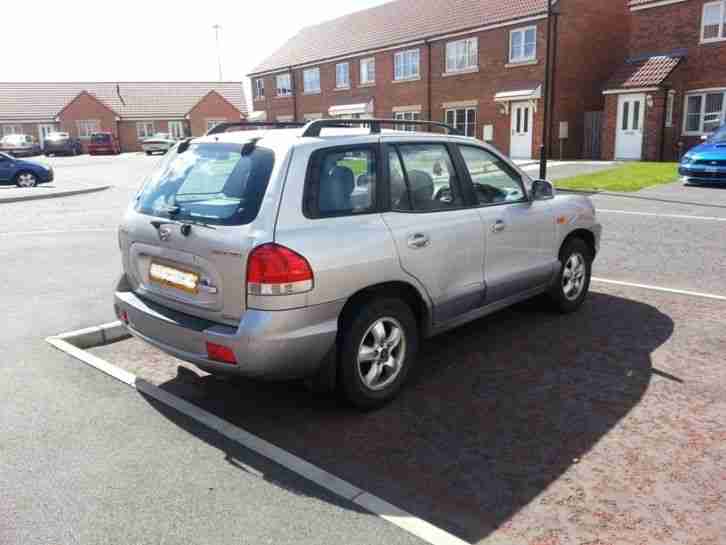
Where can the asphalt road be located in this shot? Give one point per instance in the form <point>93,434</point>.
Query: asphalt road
<point>86,460</point>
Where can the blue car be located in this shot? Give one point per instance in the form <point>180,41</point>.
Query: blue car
<point>23,173</point>
<point>706,164</point>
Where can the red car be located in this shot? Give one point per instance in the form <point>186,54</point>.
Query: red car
<point>104,142</point>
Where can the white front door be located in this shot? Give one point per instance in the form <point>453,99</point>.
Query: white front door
<point>521,143</point>
<point>44,131</point>
<point>629,129</point>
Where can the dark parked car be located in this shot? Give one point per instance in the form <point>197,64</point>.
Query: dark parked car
<point>62,143</point>
<point>23,173</point>
<point>19,144</point>
<point>104,142</point>
<point>706,164</point>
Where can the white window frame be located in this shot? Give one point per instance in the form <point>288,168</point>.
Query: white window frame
<point>9,130</point>
<point>279,89</point>
<point>467,121</point>
<point>399,62</point>
<point>722,22</point>
<point>86,127</point>
<point>142,129</point>
<point>178,132</point>
<point>211,123</point>
<point>524,58</point>
<point>670,107</point>
<point>364,68</point>
<point>410,115</point>
<point>703,95</point>
<point>315,89</point>
<point>339,83</point>
<point>259,88</point>
<point>466,49</point>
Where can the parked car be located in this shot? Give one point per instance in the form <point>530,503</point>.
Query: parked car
<point>20,145</point>
<point>161,142</point>
<point>104,142</point>
<point>24,173</point>
<point>246,252</point>
<point>62,143</point>
<point>706,163</point>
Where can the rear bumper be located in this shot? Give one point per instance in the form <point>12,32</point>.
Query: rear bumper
<point>274,345</point>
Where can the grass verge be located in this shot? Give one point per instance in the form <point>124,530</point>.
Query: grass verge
<point>630,177</point>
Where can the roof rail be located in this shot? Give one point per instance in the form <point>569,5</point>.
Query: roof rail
<point>314,127</point>
<point>223,127</point>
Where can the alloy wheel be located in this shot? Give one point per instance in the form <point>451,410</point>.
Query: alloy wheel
<point>573,276</point>
<point>381,354</point>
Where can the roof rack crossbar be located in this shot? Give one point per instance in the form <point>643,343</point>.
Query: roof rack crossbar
<point>223,127</point>
<point>313,128</point>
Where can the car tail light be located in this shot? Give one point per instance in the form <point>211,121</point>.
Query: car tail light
<point>275,270</point>
<point>220,353</point>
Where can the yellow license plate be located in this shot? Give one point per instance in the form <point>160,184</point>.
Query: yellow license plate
<point>174,278</point>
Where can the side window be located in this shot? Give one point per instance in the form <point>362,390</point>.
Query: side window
<point>494,181</point>
<point>430,177</point>
<point>342,182</point>
<point>399,190</point>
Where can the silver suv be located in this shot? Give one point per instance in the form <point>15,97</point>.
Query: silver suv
<point>329,252</point>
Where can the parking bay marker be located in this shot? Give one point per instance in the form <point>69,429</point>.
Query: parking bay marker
<point>665,216</point>
<point>74,343</point>
<point>661,289</point>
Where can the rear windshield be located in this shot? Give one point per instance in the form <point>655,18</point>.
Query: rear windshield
<point>100,138</point>
<point>210,183</point>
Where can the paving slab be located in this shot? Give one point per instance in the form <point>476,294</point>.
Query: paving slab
<point>523,427</point>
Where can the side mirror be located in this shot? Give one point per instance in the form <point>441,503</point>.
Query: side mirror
<point>542,190</point>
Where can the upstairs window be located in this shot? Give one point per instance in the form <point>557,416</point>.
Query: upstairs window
<point>407,65</point>
<point>311,80</point>
<point>259,89</point>
<point>705,112</point>
<point>284,85</point>
<point>368,71</point>
<point>462,55</point>
<point>342,75</point>
<point>713,23</point>
<point>523,45</point>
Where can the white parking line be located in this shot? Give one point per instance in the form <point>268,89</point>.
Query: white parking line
<point>659,288</point>
<point>404,520</point>
<point>656,215</point>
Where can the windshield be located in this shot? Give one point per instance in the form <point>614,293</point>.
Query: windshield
<point>100,138</point>
<point>719,137</point>
<point>210,183</point>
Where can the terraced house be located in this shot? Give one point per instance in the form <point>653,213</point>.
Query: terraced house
<point>130,110</point>
<point>477,64</point>
<point>671,89</point>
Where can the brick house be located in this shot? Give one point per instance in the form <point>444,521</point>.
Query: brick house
<point>132,111</point>
<point>671,89</point>
<point>476,64</point>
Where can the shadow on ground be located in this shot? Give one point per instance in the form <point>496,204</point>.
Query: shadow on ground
<point>495,412</point>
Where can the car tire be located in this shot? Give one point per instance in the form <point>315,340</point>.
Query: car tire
<point>573,279</point>
<point>147,152</point>
<point>26,179</point>
<point>385,330</point>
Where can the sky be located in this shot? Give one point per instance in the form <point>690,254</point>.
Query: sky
<point>152,40</point>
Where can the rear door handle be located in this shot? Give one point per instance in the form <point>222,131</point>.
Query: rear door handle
<point>498,226</point>
<point>418,241</point>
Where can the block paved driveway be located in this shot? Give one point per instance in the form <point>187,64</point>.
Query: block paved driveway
<point>523,427</point>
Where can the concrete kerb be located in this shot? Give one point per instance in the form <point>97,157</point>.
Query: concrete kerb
<point>56,195</point>
<point>76,344</point>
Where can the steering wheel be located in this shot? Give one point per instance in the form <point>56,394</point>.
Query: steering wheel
<point>444,195</point>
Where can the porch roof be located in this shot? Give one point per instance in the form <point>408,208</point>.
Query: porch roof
<point>643,72</point>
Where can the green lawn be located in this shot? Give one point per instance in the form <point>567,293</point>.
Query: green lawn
<point>630,177</point>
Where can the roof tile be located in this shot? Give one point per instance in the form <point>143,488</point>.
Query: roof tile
<point>394,23</point>
<point>158,100</point>
<point>648,72</point>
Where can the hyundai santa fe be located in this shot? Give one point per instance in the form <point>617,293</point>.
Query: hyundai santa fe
<point>329,251</point>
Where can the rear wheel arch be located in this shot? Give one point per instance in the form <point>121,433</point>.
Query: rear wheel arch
<point>392,290</point>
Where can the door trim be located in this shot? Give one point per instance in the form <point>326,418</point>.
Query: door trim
<point>618,124</point>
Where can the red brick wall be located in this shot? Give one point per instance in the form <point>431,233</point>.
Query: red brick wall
<point>664,30</point>
<point>84,108</point>
<point>609,126</point>
<point>592,42</point>
<point>213,106</point>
